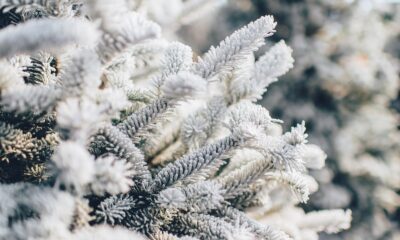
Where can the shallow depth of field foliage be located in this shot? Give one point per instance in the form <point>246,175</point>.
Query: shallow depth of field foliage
<point>345,85</point>
<point>112,129</point>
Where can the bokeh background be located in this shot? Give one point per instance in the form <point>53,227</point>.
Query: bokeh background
<point>345,84</point>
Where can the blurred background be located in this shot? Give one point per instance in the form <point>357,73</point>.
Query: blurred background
<point>345,84</point>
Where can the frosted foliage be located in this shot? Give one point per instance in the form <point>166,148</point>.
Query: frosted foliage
<point>296,182</point>
<point>182,85</point>
<point>9,77</point>
<point>108,130</point>
<point>345,85</point>
<point>313,156</point>
<point>75,32</point>
<point>174,14</point>
<point>78,117</point>
<point>112,176</point>
<point>273,64</point>
<point>361,135</point>
<point>75,164</point>
<point>248,112</point>
<point>106,233</point>
<point>238,45</point>
<point>297,135</point>
<point>74,77</point>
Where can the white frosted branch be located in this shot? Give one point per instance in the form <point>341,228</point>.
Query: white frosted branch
<point>46,34</point>
<point>235,47</point>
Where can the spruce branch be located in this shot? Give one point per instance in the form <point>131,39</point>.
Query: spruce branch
<point>41,70</point>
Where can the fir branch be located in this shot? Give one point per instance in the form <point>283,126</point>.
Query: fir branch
<point>9,77</point>
<point>247,112</point>
<point>238,182</point>
<point>75,167</point>
<point>205,173</point>
<point>41,70</point>
<point>198,197</point>
<point>50,35</point>
<point>295,181</point>
<point>199,127</point>
<point>177,57</point>
<point>130,30</point>
<point>175,88</point>
<point>251,79</point>
<point>193,162</point>
<point>183,85</point>
<point>265,232</point>
<point>241,43</point>
<point>203,196</point>
<point>209,227</point>
<point>84,60</point>
<point>331,221</point>
<point>15,143</point>
<point>31,99</point>
<point>81,73</point>
<point>114,209</point>
<point>284,156</point>
<point>28,7</point>
<point>273,64</point>
<point>112,176</point>
<point>143,117</point>
<point>114,141</point>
